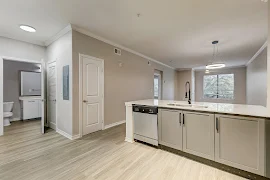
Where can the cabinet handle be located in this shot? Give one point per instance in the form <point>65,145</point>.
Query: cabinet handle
<point>217,125</point>
<point>180,118</point>
<point>183,119</point>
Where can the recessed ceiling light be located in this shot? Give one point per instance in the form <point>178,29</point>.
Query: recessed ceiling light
<point>207,71</point>
<point>27,28</point>
<point>215,66</point>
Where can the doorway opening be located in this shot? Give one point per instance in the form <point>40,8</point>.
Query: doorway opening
<point>157,84</point>
<point>22,89</point>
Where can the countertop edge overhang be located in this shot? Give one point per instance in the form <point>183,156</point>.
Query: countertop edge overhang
<point>219,108</point>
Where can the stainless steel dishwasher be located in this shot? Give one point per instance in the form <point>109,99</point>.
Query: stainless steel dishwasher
<point>145,124</point>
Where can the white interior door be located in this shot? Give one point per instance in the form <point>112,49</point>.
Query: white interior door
<point>43,97</point>
<point>51,94</point>
<point>92,94</point>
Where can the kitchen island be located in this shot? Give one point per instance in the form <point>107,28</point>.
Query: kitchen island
<point>230,134</point>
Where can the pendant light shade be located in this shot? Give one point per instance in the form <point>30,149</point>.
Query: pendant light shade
<point>214,65</point>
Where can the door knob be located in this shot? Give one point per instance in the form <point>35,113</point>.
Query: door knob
<point>85,101</point>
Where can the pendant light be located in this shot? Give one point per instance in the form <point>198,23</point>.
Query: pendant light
<point>214,65</point>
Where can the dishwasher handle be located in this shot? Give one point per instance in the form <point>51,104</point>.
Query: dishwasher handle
<point>183,119</point>
<point>180,120</point>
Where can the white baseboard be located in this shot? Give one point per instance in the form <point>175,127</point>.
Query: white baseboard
<point>129,140</point>
<point>64,134</point>
<point>68,135</point>
<point>105,127</point>
<point>53,125</point>
<point>15,119</point>
<point>76,137</point>
<point>114,124</point>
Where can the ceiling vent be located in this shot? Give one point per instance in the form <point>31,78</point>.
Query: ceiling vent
<point>117,51</point>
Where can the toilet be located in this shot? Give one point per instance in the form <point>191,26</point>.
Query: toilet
<point>7,108</point>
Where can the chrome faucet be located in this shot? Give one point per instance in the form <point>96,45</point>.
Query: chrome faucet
<point>188,93</point>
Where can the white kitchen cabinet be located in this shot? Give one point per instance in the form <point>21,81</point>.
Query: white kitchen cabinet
<point>30,108</point>
<point>236,141</point>
<point>170,128</point>
<point>240,142</point>
<point>198,134</point>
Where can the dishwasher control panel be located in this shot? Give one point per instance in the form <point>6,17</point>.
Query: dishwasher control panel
<point>145,109</point>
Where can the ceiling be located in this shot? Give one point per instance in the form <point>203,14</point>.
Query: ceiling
<point>176,33</point>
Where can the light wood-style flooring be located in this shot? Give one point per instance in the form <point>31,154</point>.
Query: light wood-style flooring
<point>25,154</point>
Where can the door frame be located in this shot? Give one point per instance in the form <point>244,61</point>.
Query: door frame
<point>50,62</point>
<point>159,74</point>
<point>2,58</point>
<point>81,88</point>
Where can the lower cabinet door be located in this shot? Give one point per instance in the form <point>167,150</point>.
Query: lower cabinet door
<point>170,128</point>
<point>198,134</point>
<point>30,109</point>
<point>240,142</point>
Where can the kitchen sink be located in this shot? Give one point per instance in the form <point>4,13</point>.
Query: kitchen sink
<point>187,105</point>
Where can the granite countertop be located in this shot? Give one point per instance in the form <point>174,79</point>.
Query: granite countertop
<point>235,109</point>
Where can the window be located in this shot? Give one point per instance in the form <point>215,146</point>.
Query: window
<point>156,87</point>
<point>219,86</point>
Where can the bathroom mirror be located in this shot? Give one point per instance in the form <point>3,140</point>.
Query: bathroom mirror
<point>30,83</point>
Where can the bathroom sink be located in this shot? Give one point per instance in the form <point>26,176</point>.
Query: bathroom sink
<point>187,105</point>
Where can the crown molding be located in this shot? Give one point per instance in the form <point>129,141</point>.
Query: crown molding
<point>225,68</point>
<point>184,69</point>
<point>257,53</point>
<point>88,33</point>
<point>24,40</point>
<point>58,35</point>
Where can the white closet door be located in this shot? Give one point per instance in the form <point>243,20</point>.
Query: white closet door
<point>43,97</point>
<point>92,80</point>
<point>51,94</point>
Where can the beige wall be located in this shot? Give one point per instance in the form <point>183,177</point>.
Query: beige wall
<point>132,81</point>
<point>61,52</point>
<point>182,78</point>
<point>193,86</point>
<point>239,85</point>
<point>257,80</point>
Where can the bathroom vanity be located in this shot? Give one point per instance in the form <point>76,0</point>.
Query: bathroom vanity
<point>30,107</point>
<point>228,134</point>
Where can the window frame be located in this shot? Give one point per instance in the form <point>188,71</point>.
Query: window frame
<point>158,76</point>
<point>218,98</point>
